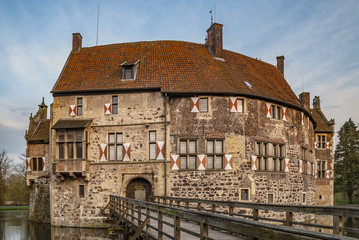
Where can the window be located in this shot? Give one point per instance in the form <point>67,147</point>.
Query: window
<point>304,198</point>
<point>245,194</point>
<point>240,105</point>
<point>320,197</point>
<point>128,72</point>
<point>270,198</point>
<point>321,169</point>
<point>37,164</point>
<point>215,154</point>
<point>72,144</point>
<point>79,106</point>
<point>114,104</point>
<point>203,104</point>
<point>81,191</point>
<point>276,112</point>
<point>152,141</point>
<point>188,154</point>
<point>270,156</point>
<point>115,141</point>
<point>321,139</point>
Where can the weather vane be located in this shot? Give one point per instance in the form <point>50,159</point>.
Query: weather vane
<point>211,16</point>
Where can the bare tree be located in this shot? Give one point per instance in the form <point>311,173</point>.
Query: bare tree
<point>5,163</point>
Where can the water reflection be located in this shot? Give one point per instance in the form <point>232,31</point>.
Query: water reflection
<point>15,226</point>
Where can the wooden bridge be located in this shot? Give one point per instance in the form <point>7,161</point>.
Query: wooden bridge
<point>183,218</point>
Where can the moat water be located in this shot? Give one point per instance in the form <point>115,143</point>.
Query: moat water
<point>15,226</point>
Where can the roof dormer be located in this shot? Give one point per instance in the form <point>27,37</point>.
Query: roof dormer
<point>129,69</point>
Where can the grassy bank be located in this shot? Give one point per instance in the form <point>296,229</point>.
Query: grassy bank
<point>6,208</point>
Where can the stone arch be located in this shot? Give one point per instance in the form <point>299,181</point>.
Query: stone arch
<point>139,188</point>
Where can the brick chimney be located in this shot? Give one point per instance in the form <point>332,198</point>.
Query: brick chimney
<point>280,64</point>
<point>214,39</point>
<point>316,102</point>
<point>304,97</point>
<point>76,42</point>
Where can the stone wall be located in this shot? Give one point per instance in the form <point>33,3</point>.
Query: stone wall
<point>39,204</point>
<point>138,114</point>
<point>240,131</point>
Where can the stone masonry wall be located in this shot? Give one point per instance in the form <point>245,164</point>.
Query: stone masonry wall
<point>240,131</point>
<point>138,113</point>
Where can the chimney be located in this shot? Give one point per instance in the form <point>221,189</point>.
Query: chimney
<point>316,102</point>
<point>214,39</point>
<point>304,97</point>
<point>76,42</point>
<point>280,64</point>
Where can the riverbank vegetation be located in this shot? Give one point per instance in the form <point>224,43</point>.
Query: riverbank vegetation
<point>13,189</point>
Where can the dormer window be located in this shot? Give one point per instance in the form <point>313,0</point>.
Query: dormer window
<point>129,69</point>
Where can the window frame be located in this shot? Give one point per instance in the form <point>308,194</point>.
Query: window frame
<point>248,194</point>
<point>320,170</point>
<point>79,106</point>
<point>215,154</point>
<point>321,144</point>
<point>115,144</point>
<point>268,150</point>
<point>152,142</point>
<point>200,105</point>
<point>35,164</point>
<point>81,191</point>
<point>276,112</point>
<point>188,155</point>
<point>114,104</point>
<point>126,69</point>
<point>64,154</point>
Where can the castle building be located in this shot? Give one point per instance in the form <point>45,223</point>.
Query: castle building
<point>177,119</point>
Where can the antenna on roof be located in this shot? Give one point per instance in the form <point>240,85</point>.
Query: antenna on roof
<point>211,16</point>
<point>302,83</point>
<point>98,20</point>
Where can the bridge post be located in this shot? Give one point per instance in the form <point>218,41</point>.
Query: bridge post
<point>213,208</point>
<point>255,214</point>
<point>178,203</point>
<point>139,215</point>
<point>160,225</point>
<point>198,206</point>
<point>230,211</point>
<point>204,231</point>
<point>187,204</point>
<point>289,219</point>
<point>132,212</point>
<point>148,213</point>
<point>338,225</point>
<point>177,231</point>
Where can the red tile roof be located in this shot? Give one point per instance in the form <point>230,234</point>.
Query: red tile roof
<point>321,120</point>
<point>175,67</point>
<point>41,133</point>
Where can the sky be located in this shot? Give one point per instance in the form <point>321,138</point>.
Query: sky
<point>319,39</point>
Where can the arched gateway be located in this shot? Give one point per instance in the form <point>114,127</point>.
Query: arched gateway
<point>139,189</point>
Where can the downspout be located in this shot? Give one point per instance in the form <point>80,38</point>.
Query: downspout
<point>165,155</point>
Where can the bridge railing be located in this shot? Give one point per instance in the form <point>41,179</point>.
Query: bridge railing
<point>139,213</point>
<point>233,208</point>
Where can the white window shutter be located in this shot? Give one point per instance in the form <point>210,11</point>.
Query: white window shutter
<point>301,166</point>
<point>43,164</point>
<point>174,162</point>
<point>201,162</point>
<point>284,113</point>
<point>72,110</point>
<point>302,118</point>
<point>268,110</point>
<point>28,164</point>
<point>233,104</point>
<point>160,150</point>
<point>286,165</point>
<point>194,104</point>
<point>254,162</point>
<point>228,162</point>
<point>108,108</point>
<point>126,152</point>
<point>309,170</point>
<point>103,152</point>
